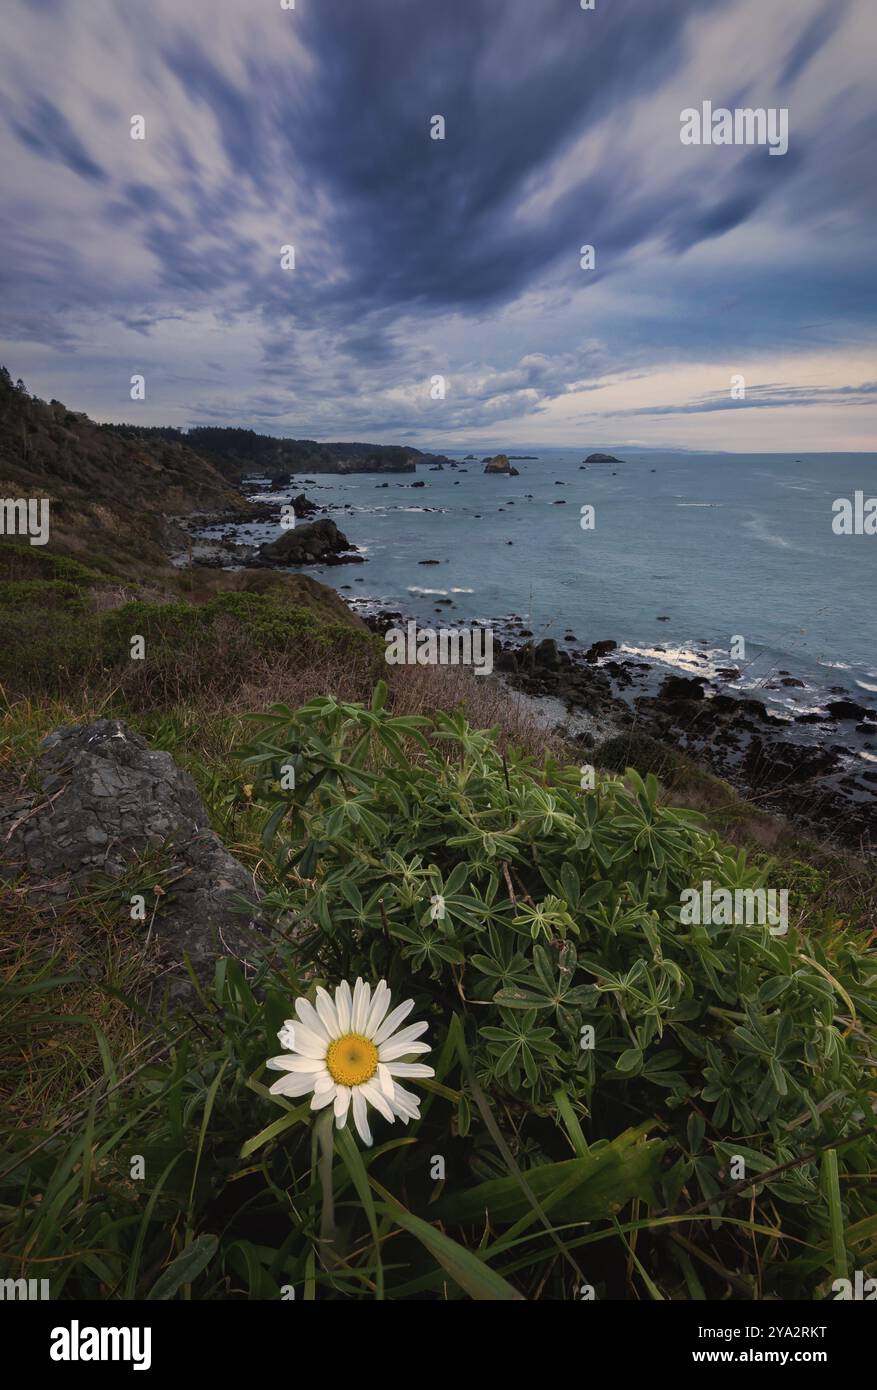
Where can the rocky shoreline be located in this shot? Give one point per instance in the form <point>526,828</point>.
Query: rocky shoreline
<point>811,767</point>
<point>803,768</point>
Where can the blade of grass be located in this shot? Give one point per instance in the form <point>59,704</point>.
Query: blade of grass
<point>352,1160</point>
<point>831,1190</point>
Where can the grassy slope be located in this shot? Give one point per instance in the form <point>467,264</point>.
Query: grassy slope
<point>219,647</point>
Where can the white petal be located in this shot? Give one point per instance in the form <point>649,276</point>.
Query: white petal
<point>404,1111</point>
<point>292,1085</point>
<point>322,1099</point>
<point>392,1021</point>
<point>385,1080</point>
<point>309,1017</point>
<point>308,1064</point>
<point>286,1035</point>
<point>342,1105</point>
<point>328,1013</point>
<point>309,1044</point>
<point>407,1098</point>
<point>408,1034</point>
<point>389,1051</point>
<point>343,1006</point>
<point>406,1105</point>
<point>360,1117</point>
<point>409,1069</point>
<point>281,1063</point>
<point>379,1006</point>
<point>324,1082</point>
<point>362,994</point>
<point>374,1097</point>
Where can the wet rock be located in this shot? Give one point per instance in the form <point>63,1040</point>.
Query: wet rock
<point>546,653</point>
<point>780,764</point>
<point>848,709</point>
<point>598,649</point>
<point>303,506</point>
<point>682,688</point>
<point>317,542</point>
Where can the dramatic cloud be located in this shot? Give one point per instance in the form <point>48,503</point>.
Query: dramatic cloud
<point>269,128</point>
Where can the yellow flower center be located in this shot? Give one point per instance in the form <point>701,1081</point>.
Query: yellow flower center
<point>352,1059</point>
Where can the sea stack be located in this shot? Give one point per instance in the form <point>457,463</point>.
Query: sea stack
<point>500,464</point>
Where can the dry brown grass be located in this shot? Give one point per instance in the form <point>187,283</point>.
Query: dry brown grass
<point>51,1042</point>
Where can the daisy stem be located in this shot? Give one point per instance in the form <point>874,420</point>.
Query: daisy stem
<point>324,1137</point>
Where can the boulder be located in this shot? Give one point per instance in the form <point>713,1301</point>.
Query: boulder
<point>598,649</point>
<point>106,800</point>
<point>682,688</point>
<point>303,506</point>
<point>546,653</point>
<point>848,709</point>
<point>318,541</point>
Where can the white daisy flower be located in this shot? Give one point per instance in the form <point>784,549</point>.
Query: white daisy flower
<point>348,1054</point>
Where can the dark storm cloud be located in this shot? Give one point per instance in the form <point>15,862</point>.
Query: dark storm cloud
<point>432,221</point>
<point>812,40</point>
<point>47,131</point>
<point>414,256</point>
<point>239,115</point>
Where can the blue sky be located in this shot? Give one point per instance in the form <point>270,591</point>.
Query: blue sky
<point>416,257</point>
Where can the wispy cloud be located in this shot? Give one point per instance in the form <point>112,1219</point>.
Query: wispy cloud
<point>416,257</point>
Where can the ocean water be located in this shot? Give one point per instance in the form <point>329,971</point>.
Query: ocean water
<point>718,546</point>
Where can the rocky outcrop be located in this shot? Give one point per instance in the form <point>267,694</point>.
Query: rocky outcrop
<point>848,709</point>
<point>106,801</point>
<point>318,542</point>
<point>600,649</point>
<point>500,464</point>
<point>303,506</point>
<point>602,458</point>
<point>682,688</point>
<point>783,761</point>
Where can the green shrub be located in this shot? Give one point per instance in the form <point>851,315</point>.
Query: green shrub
<point>42,593</point>
<point>644,753</point>
<point>36,562</point>
<point>560,913</point>
<point>52,639</point>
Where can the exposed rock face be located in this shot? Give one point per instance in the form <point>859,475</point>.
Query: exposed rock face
<point>106,799</point>
<point>682,688</point>
<point>598,649</point>
<point>319,541</point>
<point>546,653</point>
<point>303,506</point>
<point>848,709</point>
<point>500,464</point>
<point>602,458</point>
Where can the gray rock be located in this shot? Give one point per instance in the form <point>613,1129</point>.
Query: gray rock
<point>301,545</point>
<point>106,797</point>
